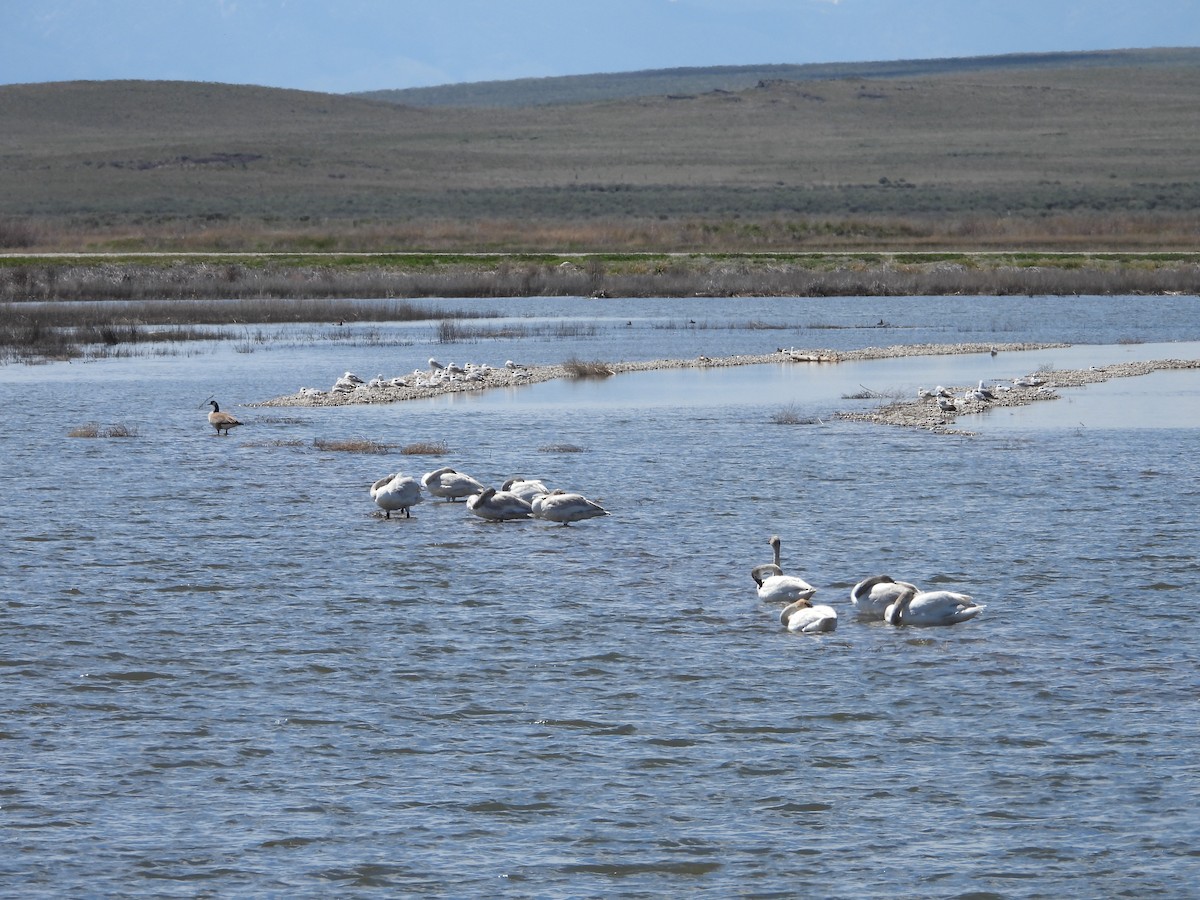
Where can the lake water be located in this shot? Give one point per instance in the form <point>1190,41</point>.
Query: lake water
<point>226,675</point>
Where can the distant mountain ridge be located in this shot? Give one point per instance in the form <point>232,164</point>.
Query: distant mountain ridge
<point>601,87</point>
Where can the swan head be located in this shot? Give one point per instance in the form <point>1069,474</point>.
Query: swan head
<point>765,571</point>
<point>894,614</point>
<point>864,587</point>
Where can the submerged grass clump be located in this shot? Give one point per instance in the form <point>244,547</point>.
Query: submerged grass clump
<point>95,430</point>
<point>790,415</point>
<point>577,368</point>
<point>351,445</point>
<point>425,448</point>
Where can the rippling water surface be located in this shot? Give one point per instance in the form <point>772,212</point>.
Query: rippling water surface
<point>224,674</point>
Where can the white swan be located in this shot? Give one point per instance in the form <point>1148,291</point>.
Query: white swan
<point>396,492</point>
<point>449,484</point>
<point>773,585</point>
<point>926,608</point>
<point>221,421</point>
<point>498,506</point>
<point>525,488</point>
<point>804,617</point>
<point>559,506</point>
<point>872,596</point>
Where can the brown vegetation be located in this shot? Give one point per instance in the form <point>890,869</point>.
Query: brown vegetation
<point>426,448</point>
<point>579,369</point>
<point>352,445</point>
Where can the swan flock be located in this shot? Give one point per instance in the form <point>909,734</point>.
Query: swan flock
<point>879,598</point>
<point>516,499</point>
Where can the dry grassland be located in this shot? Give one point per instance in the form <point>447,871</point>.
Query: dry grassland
<point>1020,157</point>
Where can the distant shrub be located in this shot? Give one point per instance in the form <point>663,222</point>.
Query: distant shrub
<point>577,368</point>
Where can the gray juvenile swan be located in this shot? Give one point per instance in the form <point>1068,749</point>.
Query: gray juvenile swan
<point>449,484</point>
<point>560,506</point>
<point>525,488</point>
<point>498,506</point>
<point>396,492</point>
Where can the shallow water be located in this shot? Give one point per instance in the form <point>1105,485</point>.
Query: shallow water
<point>226,675</point>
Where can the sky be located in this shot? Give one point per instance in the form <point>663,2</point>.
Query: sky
<point>342,46</point>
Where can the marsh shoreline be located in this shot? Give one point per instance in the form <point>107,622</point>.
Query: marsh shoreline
<point>429,276</point>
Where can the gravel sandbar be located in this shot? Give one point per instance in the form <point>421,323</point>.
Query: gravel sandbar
<point>916,413</point>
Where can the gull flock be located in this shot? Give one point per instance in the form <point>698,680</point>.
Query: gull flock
<point>879,597</point>
<point>982,393</point>
<point>437,375</point>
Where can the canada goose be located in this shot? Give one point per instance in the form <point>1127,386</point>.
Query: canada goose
<point>498,506</point>
<point>221,421</point>
<point>559,506</point>
<point>450,484</point>
<point>396,492</point>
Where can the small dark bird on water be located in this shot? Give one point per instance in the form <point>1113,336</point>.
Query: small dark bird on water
<point>219,420</point>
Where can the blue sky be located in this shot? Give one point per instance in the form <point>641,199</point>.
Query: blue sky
<point>353,45</point>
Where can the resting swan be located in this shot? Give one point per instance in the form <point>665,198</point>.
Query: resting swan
<point>773,585</point>
<point>559,506</point>
<point>872,596</point>
<point>449,484</point>
<point>525,488</point>
<point>498,506</point>
<point>927,608</point>
<point>803,616</point>
<point>396,492</point>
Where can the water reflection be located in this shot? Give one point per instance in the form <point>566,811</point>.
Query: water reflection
<point>1165,399</point>
<point>830,387</point>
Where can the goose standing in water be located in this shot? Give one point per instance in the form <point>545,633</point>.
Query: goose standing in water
<point>499,506</point>
<point>219,420</point>
<point>449,484</point>
<point>928,608</point>
<point>396,492</point>
<point>803,616</point>
<point>559,506</point>
<point>774,585</point>
<point>872,596</point>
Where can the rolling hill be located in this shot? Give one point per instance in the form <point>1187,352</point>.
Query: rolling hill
<point>1070,146</point>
